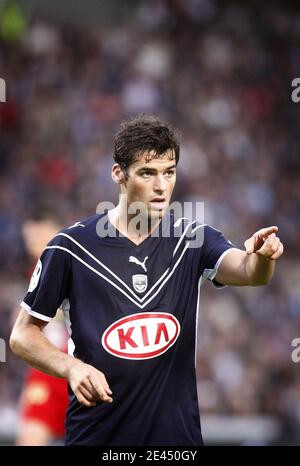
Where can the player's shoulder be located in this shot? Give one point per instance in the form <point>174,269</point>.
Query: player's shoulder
<point>185,226</point>
<point>195,232</point>
<point>211,233</point>
<point>83,226</point>
<point>80,231</point>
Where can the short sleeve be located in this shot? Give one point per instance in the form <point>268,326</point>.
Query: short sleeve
<point>49,284</point>
<point>215,247</point>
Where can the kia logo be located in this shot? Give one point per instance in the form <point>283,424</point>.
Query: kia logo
<point>141,336</point>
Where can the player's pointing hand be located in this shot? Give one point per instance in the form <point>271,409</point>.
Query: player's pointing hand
<point>266,243</point>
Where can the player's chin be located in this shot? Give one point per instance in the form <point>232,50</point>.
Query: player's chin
<point>156,214</point>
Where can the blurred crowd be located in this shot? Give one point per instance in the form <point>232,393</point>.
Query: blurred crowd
<point>221,72</point>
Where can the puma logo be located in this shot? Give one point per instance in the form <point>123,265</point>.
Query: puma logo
<point>136,261</point>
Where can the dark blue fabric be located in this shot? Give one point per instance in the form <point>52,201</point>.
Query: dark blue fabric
<point>155,398</point>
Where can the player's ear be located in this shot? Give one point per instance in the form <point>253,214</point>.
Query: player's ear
<point>117,174</point>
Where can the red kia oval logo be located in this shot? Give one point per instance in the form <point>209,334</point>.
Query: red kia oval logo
<point>141,336</point>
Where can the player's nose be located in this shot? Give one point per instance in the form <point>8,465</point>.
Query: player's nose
<point>159,184</point>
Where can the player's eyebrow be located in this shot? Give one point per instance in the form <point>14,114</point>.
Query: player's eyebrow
<point>171,167</point>
<point>154,170</point>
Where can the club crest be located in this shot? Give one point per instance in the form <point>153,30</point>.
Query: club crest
<point>140,282</point>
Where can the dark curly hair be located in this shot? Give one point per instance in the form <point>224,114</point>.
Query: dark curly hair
<point>145,133</point>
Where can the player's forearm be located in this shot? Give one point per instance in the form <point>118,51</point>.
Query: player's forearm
<point>259,269</point>
<point>32,346</point>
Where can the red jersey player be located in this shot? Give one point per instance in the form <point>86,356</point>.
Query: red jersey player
<point>44,398</point>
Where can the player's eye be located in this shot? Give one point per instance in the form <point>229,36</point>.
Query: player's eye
<point>169,173</point>
<point>146,175</point>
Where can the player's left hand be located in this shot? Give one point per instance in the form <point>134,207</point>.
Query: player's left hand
<point>266,243</point>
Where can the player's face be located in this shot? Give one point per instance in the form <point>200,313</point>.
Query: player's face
<point>152,182</point>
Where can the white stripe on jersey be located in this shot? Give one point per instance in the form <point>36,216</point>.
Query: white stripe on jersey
<point>35,314</point>
<point>141,306</point>
<point>138,298</point>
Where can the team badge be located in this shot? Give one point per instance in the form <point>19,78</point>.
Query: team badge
<point>140,282</point>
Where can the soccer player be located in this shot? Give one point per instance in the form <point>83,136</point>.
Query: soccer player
<point>130,298</point>
<point>44,398</point>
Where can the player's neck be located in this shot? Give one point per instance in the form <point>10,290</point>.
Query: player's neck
<point>130,225</point>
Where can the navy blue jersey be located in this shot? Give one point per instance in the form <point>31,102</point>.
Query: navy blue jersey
<point>132,313</point>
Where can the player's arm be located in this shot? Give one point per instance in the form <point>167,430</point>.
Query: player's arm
<point>254,266</point>
<point>28,341</point>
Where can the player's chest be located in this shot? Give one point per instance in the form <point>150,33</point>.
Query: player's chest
<point>133,269</point>
<point>139,267</point>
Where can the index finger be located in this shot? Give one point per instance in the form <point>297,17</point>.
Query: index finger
<point>265,232</point>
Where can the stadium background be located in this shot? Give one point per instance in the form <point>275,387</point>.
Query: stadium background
<point>221,72</point>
